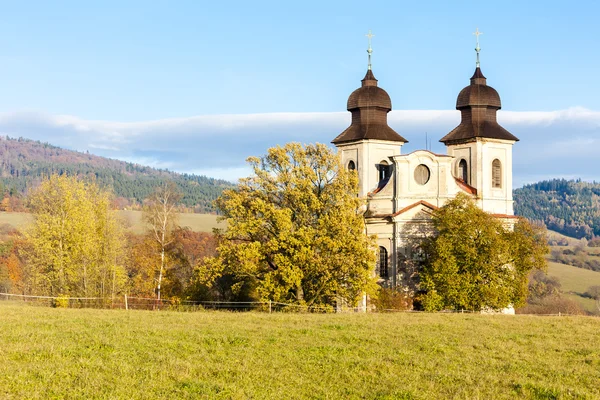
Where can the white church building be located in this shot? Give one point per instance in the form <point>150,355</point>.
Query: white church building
<point>403,189</point>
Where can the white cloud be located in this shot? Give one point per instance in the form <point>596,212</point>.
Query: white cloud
<point>553,143</point>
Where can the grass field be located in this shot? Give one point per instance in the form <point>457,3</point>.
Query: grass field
<point>84,354</point>
<point>196,222</point>
<point>575,281</point>
<point>132,219</point>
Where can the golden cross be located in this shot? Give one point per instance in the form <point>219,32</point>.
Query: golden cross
<point>370,36</point>
<point>477,33</point>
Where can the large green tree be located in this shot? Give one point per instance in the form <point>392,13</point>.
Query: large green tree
<point>294,231</point>
<point>75,243</point>
<point>475,261</point>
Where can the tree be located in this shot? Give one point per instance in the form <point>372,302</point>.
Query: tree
<point>475,262</point>
<point>294,230</point>
<point>75,244</point>
<point>593,292</point>
<point>160,214</point>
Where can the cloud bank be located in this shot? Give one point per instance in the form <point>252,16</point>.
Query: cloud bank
<point>561,143</point>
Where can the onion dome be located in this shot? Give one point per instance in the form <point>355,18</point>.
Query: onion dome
<point>478,104</point>
<point>369,106</point>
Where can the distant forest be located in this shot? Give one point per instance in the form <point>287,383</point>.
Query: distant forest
<point>24,162</point>
<point>571,207</point>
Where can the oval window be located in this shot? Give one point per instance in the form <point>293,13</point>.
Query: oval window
<point>351,166</point>
<point>422,174</point>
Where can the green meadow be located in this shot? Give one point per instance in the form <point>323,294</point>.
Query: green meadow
<point>132,219</point>
<point>118,354</point>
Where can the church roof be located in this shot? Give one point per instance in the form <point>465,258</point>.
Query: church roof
<point>369,106</point>
<point>478,104</point>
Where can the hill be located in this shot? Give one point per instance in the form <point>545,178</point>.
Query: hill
<point>24,162</point>
<point>574,282</point>
<point>568,207</point>
<point>118,354</point>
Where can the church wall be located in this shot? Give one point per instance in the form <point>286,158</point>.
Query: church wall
<point>436,190</point>
<point>479,155</point>
<point>367,154</point>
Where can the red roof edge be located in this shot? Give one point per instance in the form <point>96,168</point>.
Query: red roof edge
<point>418,203</point>
<point>465,186</point>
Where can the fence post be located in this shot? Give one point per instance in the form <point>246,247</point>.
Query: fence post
<point>126,305</point>
<point>269,306</point>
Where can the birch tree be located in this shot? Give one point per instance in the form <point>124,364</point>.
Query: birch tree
<point>160,214</point>
<point>75,244</point>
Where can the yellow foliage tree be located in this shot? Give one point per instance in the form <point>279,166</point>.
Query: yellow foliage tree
<point>294,230</point>
<point>75,243</point>
<point>160,213</point>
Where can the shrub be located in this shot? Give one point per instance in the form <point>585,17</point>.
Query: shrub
<point>552,305</point>
<point>392,299</point>
<point>61,302</point>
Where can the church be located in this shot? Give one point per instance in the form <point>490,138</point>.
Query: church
<point>402,190</point>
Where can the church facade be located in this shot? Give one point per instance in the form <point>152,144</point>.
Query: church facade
<point>402,190</point>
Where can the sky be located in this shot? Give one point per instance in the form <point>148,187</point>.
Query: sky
<point>199,86</point>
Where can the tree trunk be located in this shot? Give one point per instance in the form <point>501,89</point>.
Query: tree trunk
<point>299,293</point>
<point>160,274</point>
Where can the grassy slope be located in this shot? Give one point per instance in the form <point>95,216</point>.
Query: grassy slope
<point>69,353</point>
<point>575,281</point>
<point>133,219</point>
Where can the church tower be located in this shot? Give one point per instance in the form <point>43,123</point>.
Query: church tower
<point>368,143</point>
<point>482,149</point>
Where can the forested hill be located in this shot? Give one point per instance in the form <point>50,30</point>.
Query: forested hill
<point>24,162</point>
<point>569,207</point>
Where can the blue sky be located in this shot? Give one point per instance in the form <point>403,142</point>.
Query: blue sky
<point>198,86</point>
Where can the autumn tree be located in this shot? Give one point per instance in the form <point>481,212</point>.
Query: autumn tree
<point>475,262</point>
<point>142,264</point>
<point>75,244</point>
<point>294,230</point>
<point>160,213</point>
<point>593,292</point>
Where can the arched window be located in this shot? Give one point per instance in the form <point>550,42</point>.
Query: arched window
<point>463,171</point>
<point>385,170</point>
<point>496,174</point>
<point>382,263</point>
<point>351,166</point>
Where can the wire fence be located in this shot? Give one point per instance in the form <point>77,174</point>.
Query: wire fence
<point>148,303</point>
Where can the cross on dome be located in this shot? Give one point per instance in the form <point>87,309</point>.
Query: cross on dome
<point>477,49</point>
<point>369,50</point>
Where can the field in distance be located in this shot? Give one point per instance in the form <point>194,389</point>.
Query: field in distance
<point>133,220</point>
<point>575,281</point>
<point>118,354</point>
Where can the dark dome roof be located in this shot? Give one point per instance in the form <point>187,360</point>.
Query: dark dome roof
<point>369,106</point>
<point>369,95</point>
<point>478,95</point>
<point>478,104</point>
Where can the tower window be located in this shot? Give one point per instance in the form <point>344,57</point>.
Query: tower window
<point>351,166</point>
<point>422,174</point>
<point>496,174</point>
<point>382,263</point>
<point>385,170</point>
<point>463,170</point>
